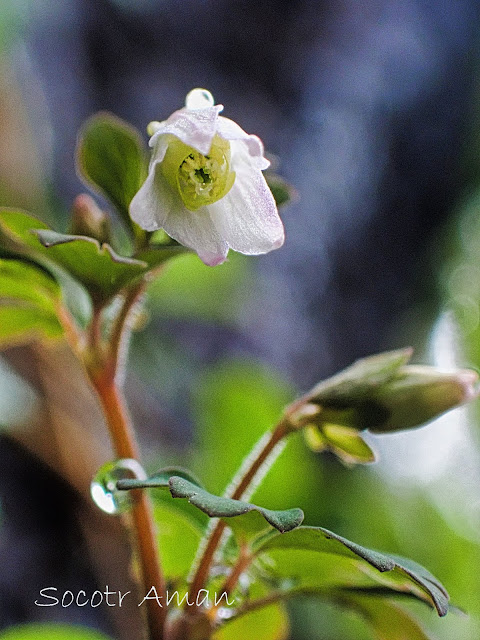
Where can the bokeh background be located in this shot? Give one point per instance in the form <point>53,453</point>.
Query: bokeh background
<point>372,109</point>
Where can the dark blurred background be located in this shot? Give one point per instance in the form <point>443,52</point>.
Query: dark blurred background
<point>372,110</point>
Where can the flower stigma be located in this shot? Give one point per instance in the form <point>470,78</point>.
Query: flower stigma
<point>199,179</point>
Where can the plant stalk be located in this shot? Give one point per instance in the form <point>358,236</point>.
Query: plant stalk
<point>125,446</point>
<point>238,489</point>
<point>103,362</point>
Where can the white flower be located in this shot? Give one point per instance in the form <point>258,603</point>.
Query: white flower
<point>205,186</point>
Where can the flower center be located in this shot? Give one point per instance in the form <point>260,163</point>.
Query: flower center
<point>199,179</point>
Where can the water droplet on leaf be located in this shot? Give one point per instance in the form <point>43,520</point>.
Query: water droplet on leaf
<point>103,488</point>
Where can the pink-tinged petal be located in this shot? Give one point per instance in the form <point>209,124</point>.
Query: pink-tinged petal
<point>195,229</point>
<point>247,217</point>
<point>150,205</point>
<point>195,127</point>
<point>230,130</point>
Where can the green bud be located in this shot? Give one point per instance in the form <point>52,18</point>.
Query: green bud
<point>380,393</point>
<point>89,220</point>
<point>360,379</point>
<point>419,394</point>
<point>199,179</point>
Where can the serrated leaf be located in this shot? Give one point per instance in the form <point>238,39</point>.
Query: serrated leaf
<point>111,158</point>
<point>219,507</point>
<point>394,572</point>
<point>51,632</point>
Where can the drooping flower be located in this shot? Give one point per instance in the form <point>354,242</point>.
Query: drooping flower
<point>205,185</point>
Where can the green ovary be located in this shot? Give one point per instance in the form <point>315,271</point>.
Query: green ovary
<point>199,179</point>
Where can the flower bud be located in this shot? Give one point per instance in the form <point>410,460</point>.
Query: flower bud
<point>381,393</point>
<point>418,394</point>
<point>89,220</point>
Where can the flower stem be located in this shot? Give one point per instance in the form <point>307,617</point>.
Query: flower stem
<point>240,485</point>
<point>125,445</point>
<point>103,361</point>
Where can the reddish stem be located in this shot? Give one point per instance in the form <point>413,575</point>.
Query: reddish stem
<point>201,575</point>
<point>103,362</point>
<point>125,445</point>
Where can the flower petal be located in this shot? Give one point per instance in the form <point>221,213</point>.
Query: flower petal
<point>195,127</point>
<point>150,205</point>
<point>195,229</point>
<point>247,217</point>
<point>230,130</point>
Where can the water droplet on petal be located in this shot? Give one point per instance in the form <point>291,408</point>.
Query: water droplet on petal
<point>199,99</point>
<point>103,488</point>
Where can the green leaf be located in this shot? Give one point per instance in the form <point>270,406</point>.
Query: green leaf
<point>102,271</point>
<point>158,480</point>
<point>297,560</point>
<point>20,323</point>
<point>28,299</point>
<point>111,159</point>
<point>29,283</point>
<point>219,507</point>
<point>268,623</point>
<point>174,526</point>
<point>324,541</point>
<point>17,240</point>
<point>96,266</point>
<point>427,580</point>
<point>388,620</point>
<point>183,484</point>
<point>51,632</point>
<point>15,230</point>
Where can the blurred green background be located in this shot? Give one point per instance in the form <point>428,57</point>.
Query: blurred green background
<point>383,250</point>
